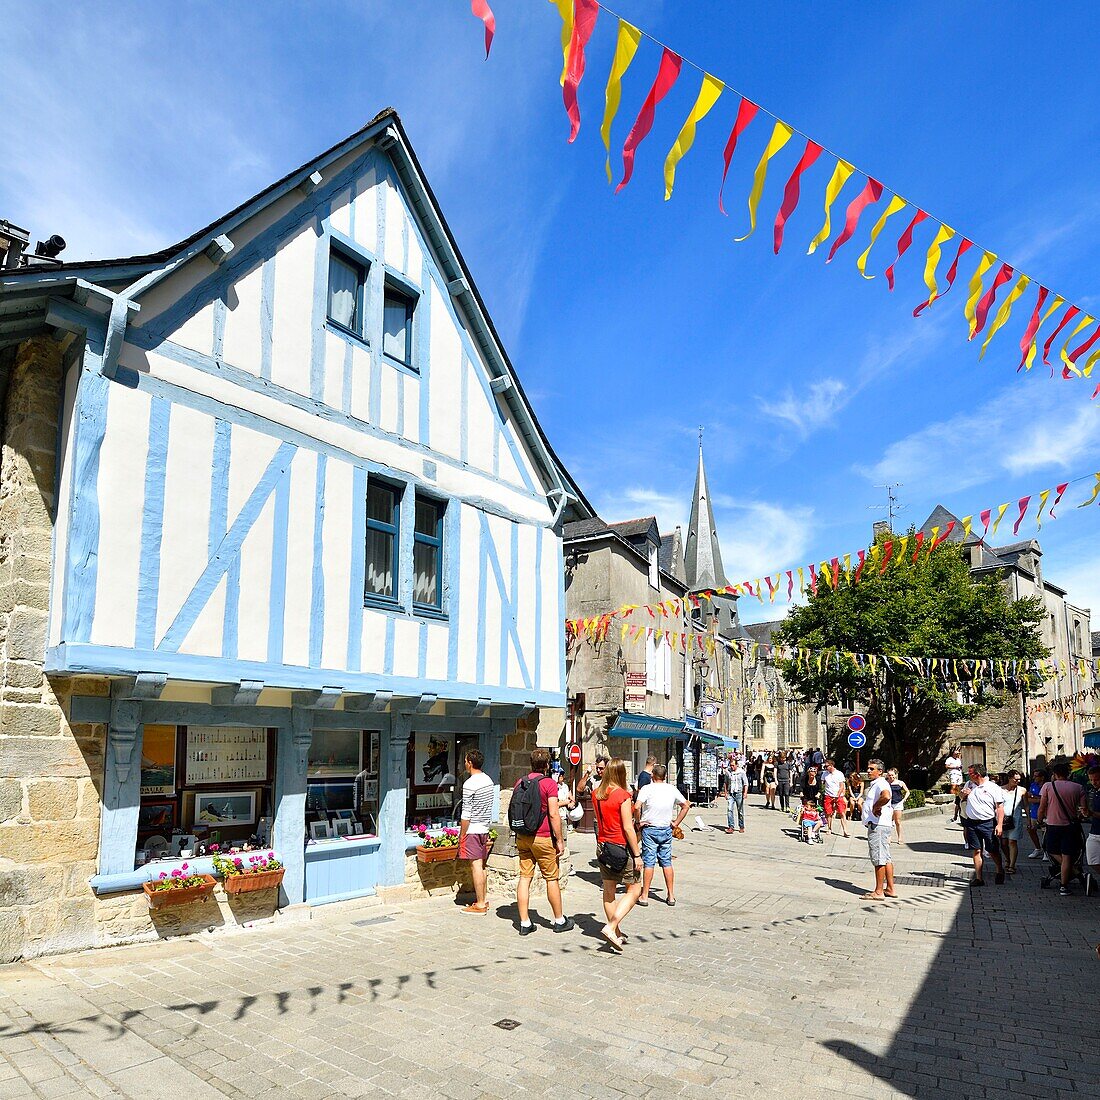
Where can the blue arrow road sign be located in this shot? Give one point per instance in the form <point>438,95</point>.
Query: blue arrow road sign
<point>857,740</point>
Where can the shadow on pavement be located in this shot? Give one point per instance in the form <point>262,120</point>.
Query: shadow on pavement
<point>846,887</point>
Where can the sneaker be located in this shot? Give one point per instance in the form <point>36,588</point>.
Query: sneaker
<point>1037,854</point>
<point>566,925</point>
<point>1064,891</point>
<point>475,908</point>
<point>526,929</point>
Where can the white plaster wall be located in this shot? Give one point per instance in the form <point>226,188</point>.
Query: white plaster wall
<point>299,558</point>
<point>255,587</point>
<point>337,562</point>
<point>292,332</point>
<point>241,344</point>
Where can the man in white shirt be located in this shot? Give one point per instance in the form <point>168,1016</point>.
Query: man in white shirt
<point>876,816</point>
<point>478,793</point>
<point>660,808</point>
<point>832,779</point>
<point>984,807</point>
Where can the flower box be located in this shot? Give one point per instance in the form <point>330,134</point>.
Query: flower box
<point>161,899</point>
<point>436,855</point>
<point>256,880</point>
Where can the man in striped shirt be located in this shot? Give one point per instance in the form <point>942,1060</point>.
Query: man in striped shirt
<point>473,835</point>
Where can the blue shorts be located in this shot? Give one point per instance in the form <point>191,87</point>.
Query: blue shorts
<point>656,845</point>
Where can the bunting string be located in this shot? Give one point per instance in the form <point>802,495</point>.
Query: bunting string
<point>578,23</point>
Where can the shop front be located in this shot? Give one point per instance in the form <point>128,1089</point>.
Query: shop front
<point>699,763</point>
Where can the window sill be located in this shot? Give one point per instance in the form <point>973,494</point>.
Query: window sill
<point>382,603</point>
<point>434,613</point>
<point>398,364</point>
<point>348,334</point>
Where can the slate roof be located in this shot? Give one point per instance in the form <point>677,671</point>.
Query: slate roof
<point>637,528</point>
<point>762,632</point>
<point>670,558</point>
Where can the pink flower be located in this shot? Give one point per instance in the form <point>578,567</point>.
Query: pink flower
<point>183,867</point>
<point>163,874</point>
<point>270,855</point>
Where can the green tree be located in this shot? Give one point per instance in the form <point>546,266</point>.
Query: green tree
<point>931,607</point>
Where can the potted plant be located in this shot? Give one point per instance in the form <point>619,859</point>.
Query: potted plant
<point>178,888</point>
<point>259,873</point>
<point>434,849</point>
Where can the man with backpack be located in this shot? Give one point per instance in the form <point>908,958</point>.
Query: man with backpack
<point>535,821</point>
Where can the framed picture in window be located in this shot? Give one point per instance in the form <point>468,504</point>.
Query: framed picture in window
<point>434,761</point>
<point>157,817</point>
<point>158,760</point>
<point>225,807</point>
<point>343,827</point>
<point>334,753</point>
<point>319,830</point>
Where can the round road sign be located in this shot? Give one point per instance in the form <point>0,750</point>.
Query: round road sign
<point>574,754</point>
<point>856,723</point>
<point>857,740</point>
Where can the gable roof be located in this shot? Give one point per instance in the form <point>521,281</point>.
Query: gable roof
<point>131,276</point>
<point>646,527</point>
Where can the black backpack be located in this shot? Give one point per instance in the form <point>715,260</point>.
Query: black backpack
<point>525,813</point>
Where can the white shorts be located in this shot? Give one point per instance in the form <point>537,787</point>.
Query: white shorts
<point>1092,851</point>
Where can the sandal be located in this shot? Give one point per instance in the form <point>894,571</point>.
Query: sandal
<point>613,941</point>
<point>872,897</point>
<point>641,901</point>
<point>671,901</point>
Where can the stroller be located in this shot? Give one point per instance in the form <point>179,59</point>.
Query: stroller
<point>1081,871</point>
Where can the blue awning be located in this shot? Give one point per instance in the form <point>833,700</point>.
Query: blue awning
<point>731,743</point>
<point>644,726</point>
<point>1092,739</point>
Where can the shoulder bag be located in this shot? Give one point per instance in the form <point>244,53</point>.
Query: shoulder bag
<point>614,857</point>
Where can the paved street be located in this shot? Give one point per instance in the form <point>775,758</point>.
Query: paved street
<point>769,977</point>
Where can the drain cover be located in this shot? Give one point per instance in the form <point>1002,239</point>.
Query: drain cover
<point>507,1025</point>
<point>371,920</point>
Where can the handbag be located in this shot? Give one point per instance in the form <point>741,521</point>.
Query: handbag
<point>609,854</point>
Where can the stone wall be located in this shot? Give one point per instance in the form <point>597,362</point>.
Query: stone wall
<point>49,804</point>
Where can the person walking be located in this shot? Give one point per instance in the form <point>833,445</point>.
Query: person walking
<point>767,774</point>
<point>783,782</point>
<point>876,818</point>
<point>1031,803</point>
<point>812,786</point>
<point>1061,806</point>
<point>536,823</point>
<point>738,789</point>
<point>661,808</point>
<point>645,776</point>
<point>984,810</point>
<point>617,849</point>
<point>953,765</point>
<point>476,817</point>
<point>834,785</point>
<point>566,802</point>
<point>899,792</point>
<point>1013,830</point>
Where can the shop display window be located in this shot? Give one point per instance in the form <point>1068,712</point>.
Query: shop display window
<point>343,784</point>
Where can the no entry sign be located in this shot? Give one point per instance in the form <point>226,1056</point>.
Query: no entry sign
<point>574,754</point>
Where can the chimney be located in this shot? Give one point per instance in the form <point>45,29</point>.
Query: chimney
<point>881,527</point>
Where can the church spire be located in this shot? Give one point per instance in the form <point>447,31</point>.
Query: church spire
<point>702,556</point>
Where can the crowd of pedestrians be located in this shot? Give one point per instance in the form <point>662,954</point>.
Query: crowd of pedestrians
<point>635,825</point>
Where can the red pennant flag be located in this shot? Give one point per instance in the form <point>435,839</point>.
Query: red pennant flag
<point>1073,355</point>
<point>862,563</point>
<point>791,191</point>
<point>836,571</point>
<point>790,584</point>
<point>1032,327</point>
<point>667,75</point>
<point>1068,316</point>
<point>871,193</point>
<point>943,537</point>
<point>989,297</point>
<point>1095,392</point>
<point>904,241</point>
<point>481,9</point>
<point>749,587</point>
<point>1059,489</point>
<point>952,271</point>
<point>984,516</point>
<point>1023,502</point>
<point>745,114</point>
<point>813,581</point>
<point>919,542</point>
<point>584,23</point>
<point>771,588</point>
<point>887,554</point>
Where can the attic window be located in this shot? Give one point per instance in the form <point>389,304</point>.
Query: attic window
<point>397,323</point>
<point>347,282</point>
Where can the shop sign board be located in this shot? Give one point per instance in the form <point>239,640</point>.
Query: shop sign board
<point>635,690</point>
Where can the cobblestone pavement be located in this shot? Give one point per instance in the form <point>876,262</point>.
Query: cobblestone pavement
<point>769,977</point>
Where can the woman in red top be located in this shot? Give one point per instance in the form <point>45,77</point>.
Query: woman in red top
<point>615,832</point>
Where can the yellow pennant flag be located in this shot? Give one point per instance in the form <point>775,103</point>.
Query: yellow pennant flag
<point>626,46</point>
<point>1070,365</point>
<point>848,566</point>
<point>1095,493</point>
<point>899,552</point>
<point>1042,504</point>
<point>781,134</point>
<point>802,576</point>
<point>709,91</point>
<point>1005,310</point>
<point>975,289</point>
<point>931,261</point>
<point>1000,516</point>
<point>565,10</point>
<point>1059,301</point>
<point>932,540</point>
<point>967,521</point>
<point>839,178</point>
<point>1091,363</point>
<point>876,553</point>
<point>896,203</point>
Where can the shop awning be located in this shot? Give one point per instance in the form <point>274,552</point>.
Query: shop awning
<point>707,738</point>
<point>1092,739</point>
<point>645,726</point>
<point>731,743</point>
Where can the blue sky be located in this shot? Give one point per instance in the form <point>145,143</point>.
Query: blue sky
<point>631,320</point>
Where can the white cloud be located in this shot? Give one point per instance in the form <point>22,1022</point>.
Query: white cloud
<point>1030,427</point>
<point>812,409</point>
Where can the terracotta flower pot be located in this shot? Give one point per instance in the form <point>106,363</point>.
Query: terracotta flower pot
<point>436,855</point>
<point>256,880</point>
<point>161,899</point>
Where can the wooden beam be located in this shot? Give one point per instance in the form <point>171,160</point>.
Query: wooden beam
<point>501,384</point>
<point>457,287</point>
<point>325,699</point>
<point>425,703</point>
<point>244,694</point>
<point>218,249</point>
